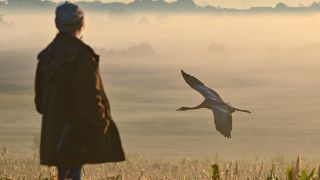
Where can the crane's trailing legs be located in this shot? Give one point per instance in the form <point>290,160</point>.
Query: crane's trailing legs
<point>242,110</point>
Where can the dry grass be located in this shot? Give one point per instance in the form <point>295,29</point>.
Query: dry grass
<point>144,169</point>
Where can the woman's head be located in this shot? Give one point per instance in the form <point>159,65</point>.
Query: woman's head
<point>69,18</point>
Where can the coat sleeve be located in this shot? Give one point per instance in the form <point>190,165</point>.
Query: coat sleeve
<point>39,83</point>
<point>89,91</point>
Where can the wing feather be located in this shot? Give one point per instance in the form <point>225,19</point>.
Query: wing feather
<point>223,121</point>
<point>197,85</point>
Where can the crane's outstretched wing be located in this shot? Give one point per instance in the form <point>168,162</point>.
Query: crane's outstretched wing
<point>223,121</point>
<point>200,87</point>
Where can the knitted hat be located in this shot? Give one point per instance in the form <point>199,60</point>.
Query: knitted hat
<point>69,17</point>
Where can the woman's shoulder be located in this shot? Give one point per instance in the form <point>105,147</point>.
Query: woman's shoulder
<point>69,47</point>
<point>87,48</point>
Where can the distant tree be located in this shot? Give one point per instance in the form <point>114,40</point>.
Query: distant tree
<point>188,5</point>
<point>27,2</point>
<point>187,2</point>
<point>315,5</point>
<point>24,1</point>
<point>281,6</point>
<point>2,3</point>
<point>138,50</point>
<point>1,18</point>
<point>30,3</point>
<point>4,22</point>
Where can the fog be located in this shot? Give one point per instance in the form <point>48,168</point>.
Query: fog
<point>266,63</point>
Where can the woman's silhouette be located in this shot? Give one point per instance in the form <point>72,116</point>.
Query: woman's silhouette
<point>77,127</point>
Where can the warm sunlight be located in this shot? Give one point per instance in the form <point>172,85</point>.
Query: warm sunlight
<point>265,61</point>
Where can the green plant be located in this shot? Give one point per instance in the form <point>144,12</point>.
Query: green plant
<point>272,174</point>
<point>293,172</point>
<point>4,153</point>
<point>215,172</point>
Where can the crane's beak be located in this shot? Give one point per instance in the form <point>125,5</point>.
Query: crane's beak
<point>180,109</point>
<point>183,109</point>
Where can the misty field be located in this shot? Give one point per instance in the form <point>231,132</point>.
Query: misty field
<point>268,64</point>
<point>140,168</point>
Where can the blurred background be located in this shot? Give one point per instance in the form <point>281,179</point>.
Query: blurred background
<point>266,62</point>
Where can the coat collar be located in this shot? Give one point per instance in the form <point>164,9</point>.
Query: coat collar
<point>67,37</point>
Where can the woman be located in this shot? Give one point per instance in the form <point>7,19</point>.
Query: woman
<point>77,127</point>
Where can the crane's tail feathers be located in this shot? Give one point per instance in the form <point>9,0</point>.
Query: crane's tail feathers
<point>241,110</point>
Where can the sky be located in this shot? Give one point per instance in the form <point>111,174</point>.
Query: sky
<point>238,3</point>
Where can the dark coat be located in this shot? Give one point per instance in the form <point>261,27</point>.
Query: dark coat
<point>69,90</point>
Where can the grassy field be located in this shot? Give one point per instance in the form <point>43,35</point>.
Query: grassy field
<point>145,168</point>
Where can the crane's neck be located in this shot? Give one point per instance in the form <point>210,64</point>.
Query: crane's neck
<point>202,105</point>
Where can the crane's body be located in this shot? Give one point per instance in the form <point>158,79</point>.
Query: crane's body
<point>222,111</point>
